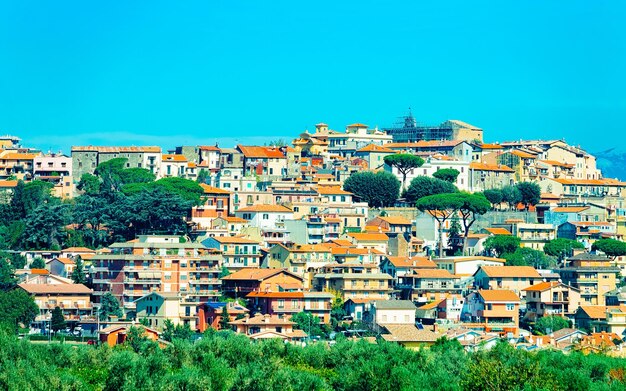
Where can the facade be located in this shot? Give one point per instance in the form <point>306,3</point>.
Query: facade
<point>592,275</point>
<point>493,310</point>
<point>424,285</point>
<point>513,278</point>
<point>73,299</point>
<point>156,307</point>
<point>245,281</point>
<point>266,326</point>
<point>353,281</point>
<point>551,298</point>
<point>287,304</point>
<point>237,252</point>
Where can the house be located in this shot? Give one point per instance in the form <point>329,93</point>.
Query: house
<point>514,278</point>
<point>551,298</point>
<point>268,163</point>
<point>473,340</point>
<point>375,241</point>
<point>216,204</point>
<point>425,285</point>
<point>401,266</point>
<point>535,236</point>
<point>242,282</point>
<point>354,281</point>
<point>374,155</point>
<point>73,299</point>
<point>230,224</point>
<point>598,342</point>
<point>157,307</point>
<point>270,220</point>
<point>484,176</point>
<point>409,336</point>
<point>268,326</point>
<point>566,337</point>
<point>396,224</point>
<point>614,322</point>
<point>587,315</point>
<point>237,252</point>
<point>62,267</point>
<point>210,314</point>
<point>301,260</point>
<point>594,275</point>
<point>494,310</point>
<point>385,312</point>
<point>290,303</point>
<point>116,335</point>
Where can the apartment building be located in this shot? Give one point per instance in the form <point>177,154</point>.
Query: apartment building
<point>237,252</point>
<point>493,311</point>
<point>157,264</point>
<point>593,275</point>
<point>551,298</point>
<point>353,281</point>
<point>288,304</point>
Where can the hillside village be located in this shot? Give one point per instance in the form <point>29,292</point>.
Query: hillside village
<point>449,235</point>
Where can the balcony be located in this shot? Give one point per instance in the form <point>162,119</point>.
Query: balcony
<point>201,281</point>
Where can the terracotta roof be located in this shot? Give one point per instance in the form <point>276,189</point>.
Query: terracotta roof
<point>116,149</point>
<point>55,288</point>
<point>213,190</point>
<point>594,311</point>
<point>522,154</point>
<point>261,152</point>
<point>471,258</point>
<point>266,208</point>
<point>431,305</point>
<point>510,271</point>
<point>408,333</point>
<point>570,209</point>
<point>8,183</point>
<point>234,240</point>
<point>426,144</point>
<point>556,163</point>
<point>65,261</point>
<point>542,286</point>
<point>341,242</point>
<point>491,146</point>
<point>19,156</point>
<point>479,166</point>
<point>39,271</point>
<point>209,148</point>
<point>369,237</point>
<point>261,319</point>
<point>276,295</point>
<point>233,219</point>
<point>332,190</point>
<point>354,251</point>
<point>174,158</point>
<point>395,220</point>
<point>499,295</point>
<point>419,262</point>
<point>256,274</point>
<point>588,182</point>
<point>375,148</point>
<point>498,231</point>
<point>356,125</point>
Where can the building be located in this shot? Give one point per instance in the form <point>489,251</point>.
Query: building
<point>484,176</point>
<point>495,310</point>
<point>117,334</point>
<point>157,307</point>
<point>356,136</point>
<point>301,260</point>
<point>210,314</point>
<point>384,312</point>
<point>157,264</point>
<point>237,252</point>
<point>216,204</point>
<point>73,299</point>
<point>513,278</point>
<point>267,326</point>
<point>593,275</point>
<point>551,298</point>
<point>245,281</point>
<point>466,266</point>
<point>287,304</point>
<point>424,285</point>
<point>407,130</point>
<point>354,281</point>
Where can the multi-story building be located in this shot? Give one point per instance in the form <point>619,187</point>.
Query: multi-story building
<point>216,204</point>
<point>237,252</point>
<point>17,163</point>
<point>73,299</point>
<point>493,311</point>
<point>551,298</point>
<point>157,264</point>
<point>355,137</point>
<point>485,176</point>
<point>157,307</point>
<point>514,278</point>
<point>244,281</point>
<point>289,303</point>
<point>56,169</point>
<point>301,260</point>
<point>434,163</point>
<point>424,285</point>
<point>353,281</point>
<point>593,275</point>
<point>534,236</point>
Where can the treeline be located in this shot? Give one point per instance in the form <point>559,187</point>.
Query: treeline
<point>225,361</point>
<point>117,203</point>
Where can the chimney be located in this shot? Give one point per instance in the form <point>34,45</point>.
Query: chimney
<point>266,318</point>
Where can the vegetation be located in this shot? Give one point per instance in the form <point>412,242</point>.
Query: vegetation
<point>530,193</point>
<point>16,308</point>
<point>472,206</point>
<point>549,324</point>
<point>494,196</point>
<point>57,320</point>
<point>525,256</point>
<point>404,162</point>
<point>109,306</point>
<point>424,186</point>
<point>502,244</point>
<point>38,263</point>
<point>78,274</point>
<point>309,323</point>
<point>378,189</point>
<point>511,195</point>
<point>447,174</point>
<point>225,361</point>
<point>562,248</point>
<point>611,247</point>
<point>441,207</point>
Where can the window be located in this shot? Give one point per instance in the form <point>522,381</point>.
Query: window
<point>510,307</point>
<point>281,303</point>
<point>266,216</point>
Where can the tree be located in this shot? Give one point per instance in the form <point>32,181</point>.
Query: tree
<point>16,260</point>
<point>454,235</point>
<point>78,274</point>
<point>157,210</point>
<point>423,186</point>
<point>511,195</point>
<point>404,162</point>
<point>494,196</point>
<point>524,256</point>
<point>441,207</point>
<point>378,189</point>
<point>44,228</point>
<point>447,174</point>
<point>38,263</point>
<point>562,248</point>
<point>225,272</point>
<point>611,247</point>
<point>57,320</point>
<point>225,318</point>
<point>549,324</point>
<point>136,175</point>
<point>472,206</point>
<point>8,280</point>
<point>530,193</point>
<point>203,176</point>
<point>308,323</point>
<point>17,306</point>
<point>502,244</point>
<point>89,184</point>
<point>109,306</point>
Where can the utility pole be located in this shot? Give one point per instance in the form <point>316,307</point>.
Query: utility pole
<point>49,326</point>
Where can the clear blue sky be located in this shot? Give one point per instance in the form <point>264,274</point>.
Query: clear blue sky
<point>190,72</point>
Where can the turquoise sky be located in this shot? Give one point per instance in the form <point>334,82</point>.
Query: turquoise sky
<point>191,72</point>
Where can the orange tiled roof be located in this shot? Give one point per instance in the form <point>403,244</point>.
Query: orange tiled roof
<point>510,271</point>
<point>395,220</point>
<point>78,250</point>
<point>19,156</point>
<point>266,208</point>
<point>261,152</point>
<point>375,148</point>
<point>55,288</point>
<point>491,146</point>
<point>433,273</point>
<point>209,148</point>
<point>522,154</point>
<point>418,262</point>
<point>256,274</point>
<point>174,158</point>
<point>499,295</point>
<point>331,190</point>
<point>8,183</point>
<point>595,311</point>
<point>357,125</point>
<point>480,166</point>
<point>369,237</point>
<point>542,286</point>
<point>234,240</point>
<point>498,231</point>
<point>589,182</point>
<point>213,190</point>
<point>570,209</point>
<point>39,271</point>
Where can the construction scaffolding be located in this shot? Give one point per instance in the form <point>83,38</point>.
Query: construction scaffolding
<point>407,130</point>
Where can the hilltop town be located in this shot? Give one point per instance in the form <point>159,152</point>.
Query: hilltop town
<point>405,234</point>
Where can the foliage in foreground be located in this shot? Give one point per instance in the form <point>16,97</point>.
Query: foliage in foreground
<point>224,361</point>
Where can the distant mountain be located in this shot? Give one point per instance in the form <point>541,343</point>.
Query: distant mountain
<point>612,163</point>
